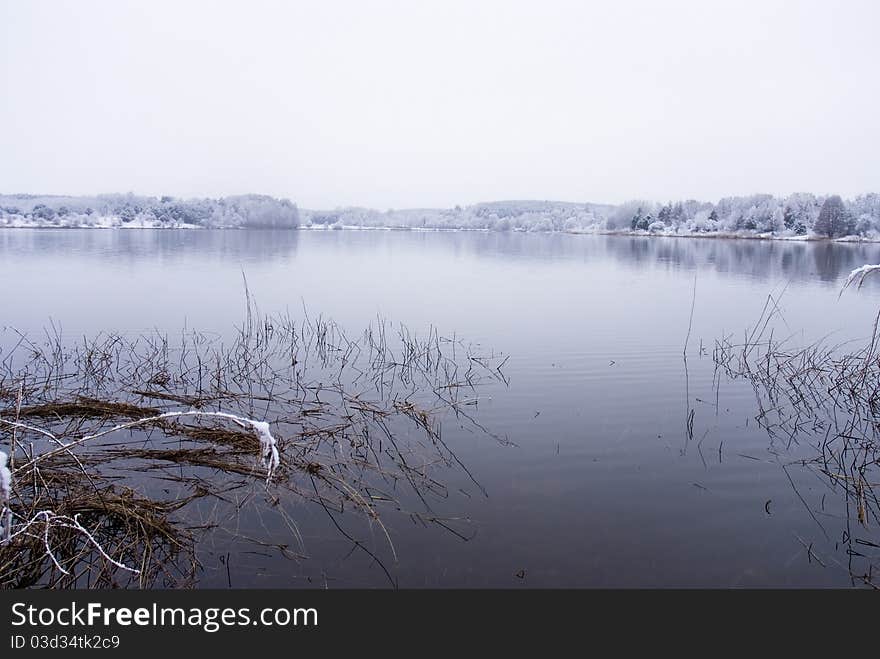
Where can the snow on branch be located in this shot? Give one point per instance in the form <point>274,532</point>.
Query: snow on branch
<point>858,275</point>
<point>50,520</point>
<point>269,457</point>
<point>268,446</point>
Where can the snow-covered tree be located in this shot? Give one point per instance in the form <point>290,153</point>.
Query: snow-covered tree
<point>834,220</point>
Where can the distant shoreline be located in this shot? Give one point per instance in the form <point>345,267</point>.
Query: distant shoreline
<point>714,235</point>
<point>799,216</point>
<point>726,235</point>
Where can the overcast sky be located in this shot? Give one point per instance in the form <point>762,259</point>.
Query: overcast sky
<point>401,104</point>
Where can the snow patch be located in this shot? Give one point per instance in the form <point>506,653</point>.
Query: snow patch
<point>5,493</point>
<point>5,477</point>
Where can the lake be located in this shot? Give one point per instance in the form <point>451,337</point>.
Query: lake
<point>609,459</point>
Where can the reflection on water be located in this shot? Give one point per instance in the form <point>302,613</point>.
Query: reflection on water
<point>137,244</point>
<point>829,261</point>
<point>622,468</point>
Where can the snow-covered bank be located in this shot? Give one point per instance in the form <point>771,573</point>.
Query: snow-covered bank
<point>92,222</point>
<point>743,235</point>
<point>599,231</point>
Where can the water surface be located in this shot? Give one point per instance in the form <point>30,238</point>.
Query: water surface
<point>601,483</point>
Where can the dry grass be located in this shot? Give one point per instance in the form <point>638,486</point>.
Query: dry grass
<point>358,424</point>
<point>829,397</point>
<point>85,408</point>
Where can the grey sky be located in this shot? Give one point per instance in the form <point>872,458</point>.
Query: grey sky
<point>399,104</point>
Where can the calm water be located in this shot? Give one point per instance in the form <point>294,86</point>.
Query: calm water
<point>600,485</point>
